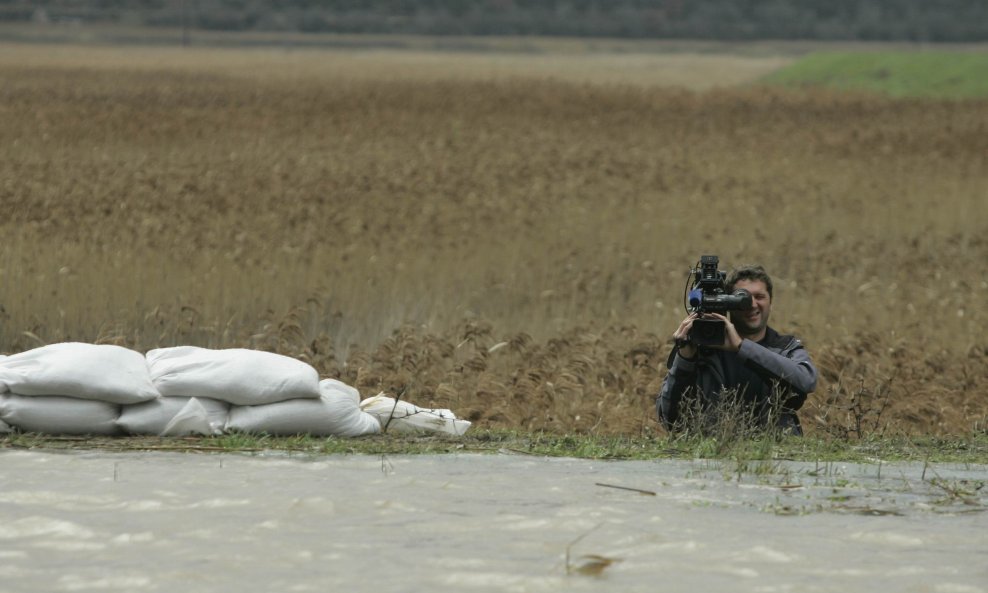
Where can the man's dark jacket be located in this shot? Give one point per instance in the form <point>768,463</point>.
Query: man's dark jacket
<point>776,364</point>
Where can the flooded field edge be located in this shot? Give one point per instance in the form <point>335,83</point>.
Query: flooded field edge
<point>75,520</point>
<point>971,448</point>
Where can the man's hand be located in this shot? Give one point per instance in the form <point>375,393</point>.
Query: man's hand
<point>732,340</point>
<point>688,350</point>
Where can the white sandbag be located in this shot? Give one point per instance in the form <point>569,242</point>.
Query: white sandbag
<point>59,415</point>
<point>337,385</point>
<point>335,413</point>
<point>153,417</point>
<point>236,375</point>
<point>405,417</point>
<point>88,371</point>
<point>343,404</point>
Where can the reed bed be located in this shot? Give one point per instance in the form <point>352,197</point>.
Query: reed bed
<point>512,248</point>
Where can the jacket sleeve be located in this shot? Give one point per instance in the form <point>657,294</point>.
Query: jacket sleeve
<point>792,368</point>
<point>682,376</point>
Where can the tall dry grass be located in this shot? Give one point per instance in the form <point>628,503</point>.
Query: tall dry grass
<point>513,248</point>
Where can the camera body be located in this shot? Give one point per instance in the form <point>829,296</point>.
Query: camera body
<point>709,295</point>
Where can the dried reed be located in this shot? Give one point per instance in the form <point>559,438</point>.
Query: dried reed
<point>513,248</point>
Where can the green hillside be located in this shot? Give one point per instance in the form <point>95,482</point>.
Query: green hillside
<point>898,74</point>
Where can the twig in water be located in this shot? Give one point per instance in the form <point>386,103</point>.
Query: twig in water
<point>593,564</point>
<point>569,567</point>
<point>638,490</point>
<point>386,467</point>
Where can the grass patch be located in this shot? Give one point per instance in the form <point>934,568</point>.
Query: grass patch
<point>749,452</point>
<point>939,74</point>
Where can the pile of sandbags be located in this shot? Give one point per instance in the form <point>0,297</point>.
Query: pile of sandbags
<point>263,392</point>
<point>87,389</point>
<point>72,388</point>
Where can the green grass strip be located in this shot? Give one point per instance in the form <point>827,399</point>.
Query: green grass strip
<point>933,74</point>
<point>956,449</point>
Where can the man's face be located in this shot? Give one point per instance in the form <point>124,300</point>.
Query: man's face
<point>755,319</point>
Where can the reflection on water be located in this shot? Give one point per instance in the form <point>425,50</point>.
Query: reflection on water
<point>182,522</point>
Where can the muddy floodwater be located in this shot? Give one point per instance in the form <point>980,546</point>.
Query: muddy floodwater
<point>92,521</point>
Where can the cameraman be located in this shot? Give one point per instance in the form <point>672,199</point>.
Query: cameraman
<point>769,373</point>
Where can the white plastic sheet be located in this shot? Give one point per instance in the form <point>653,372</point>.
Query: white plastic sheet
<point>189,414</point>
<point>238,376</point>
<point>191,419</point>
<point>402,416</point>
<point>87,371</point>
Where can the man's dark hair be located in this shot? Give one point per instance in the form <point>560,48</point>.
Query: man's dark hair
<point>750,272</point>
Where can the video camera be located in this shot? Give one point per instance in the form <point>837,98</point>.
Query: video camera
<point>709,295</point>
